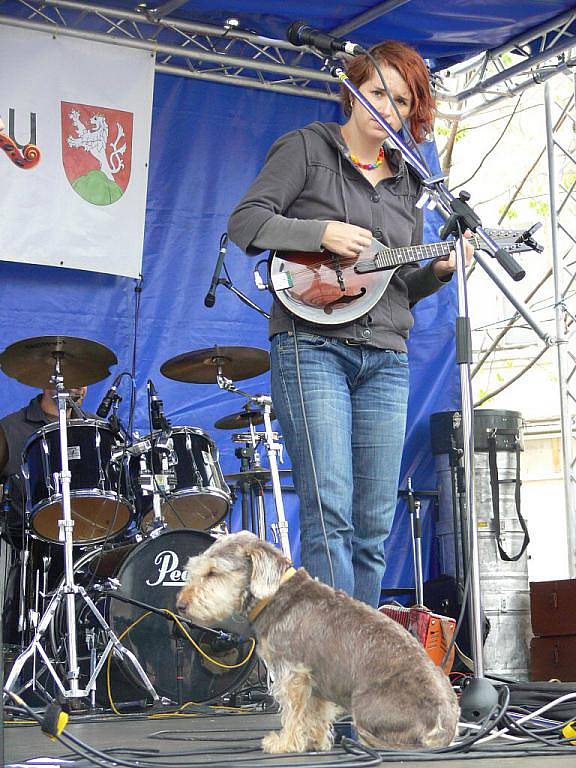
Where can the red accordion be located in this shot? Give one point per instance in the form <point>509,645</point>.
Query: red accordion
<point>434,632</point>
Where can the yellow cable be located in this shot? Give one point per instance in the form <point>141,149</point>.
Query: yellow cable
<point>20,722</point>
<point>109,661</point>
<point>205,655</point>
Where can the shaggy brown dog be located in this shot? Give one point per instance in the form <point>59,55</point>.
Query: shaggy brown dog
<point>326,652</point>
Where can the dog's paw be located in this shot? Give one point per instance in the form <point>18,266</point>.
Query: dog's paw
<point>277,743</point>
<point>321,743</point>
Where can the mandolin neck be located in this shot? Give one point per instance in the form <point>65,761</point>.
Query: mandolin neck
<point>395,257</point>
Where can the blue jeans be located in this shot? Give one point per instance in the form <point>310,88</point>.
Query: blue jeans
<point>355,403</point>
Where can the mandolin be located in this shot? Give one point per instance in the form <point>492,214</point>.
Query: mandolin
<point>323,288</point>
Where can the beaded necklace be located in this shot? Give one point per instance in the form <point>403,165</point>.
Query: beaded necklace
<point>368,166</point>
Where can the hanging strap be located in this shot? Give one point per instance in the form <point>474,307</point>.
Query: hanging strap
<point>495,487</point>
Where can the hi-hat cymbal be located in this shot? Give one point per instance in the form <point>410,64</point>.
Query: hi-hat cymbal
<point>241,419</point>
<point>82,361</point>
<point>259,475</point>
<point>201,365</point>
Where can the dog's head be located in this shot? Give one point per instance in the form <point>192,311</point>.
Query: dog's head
<point>229,578</point>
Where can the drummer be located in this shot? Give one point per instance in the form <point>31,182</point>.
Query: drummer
<point>17,427</point>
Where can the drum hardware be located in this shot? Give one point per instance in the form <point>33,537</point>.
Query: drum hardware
<point>25,554</point>
<point>157,481</point>
<point>273,450</point>
<point>414,506</point>
<point>248,480</point>
<point>83,362</point>
<point>90,635</point>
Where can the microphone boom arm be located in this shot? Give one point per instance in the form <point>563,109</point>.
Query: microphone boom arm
<point>449,207</point>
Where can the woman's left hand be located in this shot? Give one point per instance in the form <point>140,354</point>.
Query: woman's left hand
<point>446,265</point>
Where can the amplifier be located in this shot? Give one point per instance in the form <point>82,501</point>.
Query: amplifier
<point>432,631</point>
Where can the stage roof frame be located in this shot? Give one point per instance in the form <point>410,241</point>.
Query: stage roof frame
<point>491,50</point>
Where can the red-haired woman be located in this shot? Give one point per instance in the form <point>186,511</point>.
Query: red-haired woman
<point>340,392</point>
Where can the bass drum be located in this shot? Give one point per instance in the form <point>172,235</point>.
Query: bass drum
<point>152,572</point>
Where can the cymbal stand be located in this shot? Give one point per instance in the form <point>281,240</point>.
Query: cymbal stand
<point>273,450</point>
<point>251,489</point>
<point>68,589</point>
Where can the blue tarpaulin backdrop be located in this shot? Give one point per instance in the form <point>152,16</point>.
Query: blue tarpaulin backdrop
<point>208,142</point>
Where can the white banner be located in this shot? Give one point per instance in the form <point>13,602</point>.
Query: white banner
<point>87,106</point>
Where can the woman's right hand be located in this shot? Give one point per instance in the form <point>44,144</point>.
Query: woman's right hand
<point>345,239</point>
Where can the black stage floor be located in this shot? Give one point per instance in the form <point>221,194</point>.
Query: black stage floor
<point>220,738</point>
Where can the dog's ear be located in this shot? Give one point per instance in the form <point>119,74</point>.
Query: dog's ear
<point>267,570</point>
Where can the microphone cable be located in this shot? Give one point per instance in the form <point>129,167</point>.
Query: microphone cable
<point>311,455</point>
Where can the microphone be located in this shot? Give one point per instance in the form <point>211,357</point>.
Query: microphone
<point>159,420</point>
<point>299,33</point>
<point>210,298</point>
<point>104,408</point>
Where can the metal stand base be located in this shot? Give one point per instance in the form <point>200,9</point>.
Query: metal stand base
<point>68,590</point>
<point>113,645</point>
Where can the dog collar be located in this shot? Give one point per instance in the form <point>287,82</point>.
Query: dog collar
<point>261,604</point>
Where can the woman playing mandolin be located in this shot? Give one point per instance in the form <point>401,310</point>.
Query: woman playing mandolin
<point>331,191</point>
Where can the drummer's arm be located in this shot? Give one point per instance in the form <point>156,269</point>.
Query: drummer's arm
<point>4,453</point>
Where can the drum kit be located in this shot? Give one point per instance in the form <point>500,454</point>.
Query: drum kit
<point>126,513</point>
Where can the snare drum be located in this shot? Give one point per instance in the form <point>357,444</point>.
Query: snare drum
<point>199,497</point>
<point>100,509</point>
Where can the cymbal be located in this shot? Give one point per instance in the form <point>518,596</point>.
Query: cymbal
<point>201,365</point>
<point>82,361</point>
<point>241,419</point>
<point>259,475</point>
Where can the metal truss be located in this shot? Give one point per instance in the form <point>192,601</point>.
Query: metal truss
<point>230,55</point>
<point>187,49</point>
<point>501,73</point>
<point>562,196</point>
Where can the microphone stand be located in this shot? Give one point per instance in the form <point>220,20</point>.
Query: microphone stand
<point>480,696</point>
<point>227,283</point>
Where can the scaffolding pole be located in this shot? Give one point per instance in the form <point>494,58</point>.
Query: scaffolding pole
<point>561,341</point>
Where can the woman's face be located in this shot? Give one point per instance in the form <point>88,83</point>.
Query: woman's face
<point>374,91</point>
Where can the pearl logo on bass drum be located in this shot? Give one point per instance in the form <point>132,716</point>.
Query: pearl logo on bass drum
<point>169,575</point>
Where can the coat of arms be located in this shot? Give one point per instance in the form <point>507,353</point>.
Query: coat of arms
<point>96,151</point>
